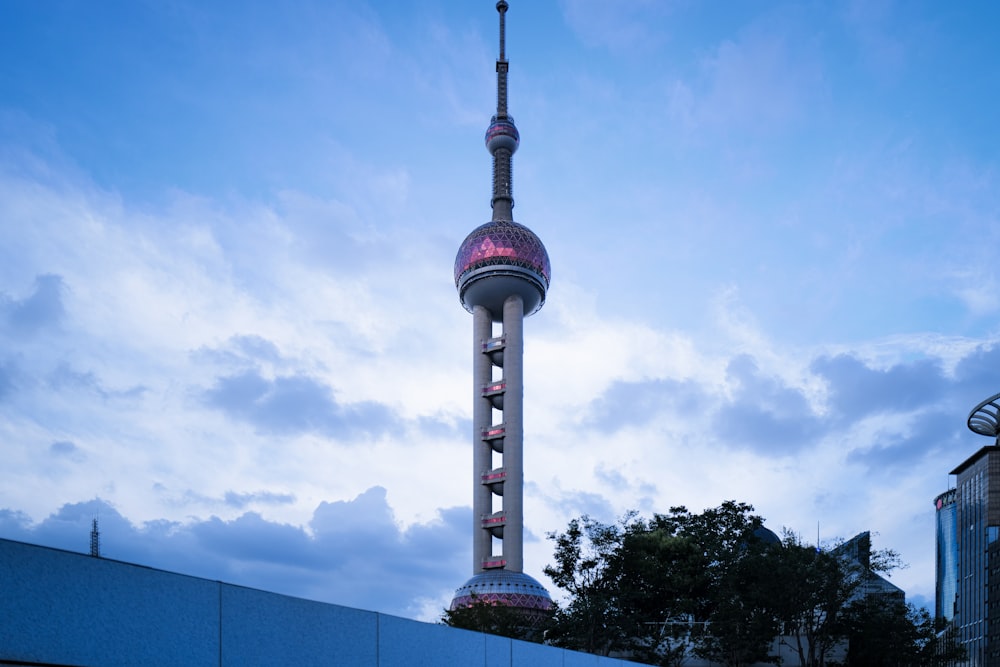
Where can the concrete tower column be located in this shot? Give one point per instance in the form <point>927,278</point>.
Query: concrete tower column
<point>513,413</point>
<point>482,453</point>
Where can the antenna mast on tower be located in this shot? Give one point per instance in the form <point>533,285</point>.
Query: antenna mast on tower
<point>95,539</point>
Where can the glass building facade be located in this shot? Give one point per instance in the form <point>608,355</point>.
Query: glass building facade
<point>946,587</point>
<point>977,519</point>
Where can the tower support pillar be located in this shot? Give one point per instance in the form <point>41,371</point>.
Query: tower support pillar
<point>482,453</point>
<point>513,412</point>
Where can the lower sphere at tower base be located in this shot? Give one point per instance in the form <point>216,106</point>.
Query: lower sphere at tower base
<point>515,590</point>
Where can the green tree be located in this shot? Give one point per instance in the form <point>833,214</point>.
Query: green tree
<point>707,584</point>
<point>584,567</point>
<point>492,618</point>
<point>884,632</point>
<point>732,619</point>
<point>663,574</point>
<point>810,603</point>
<point>655,589</point>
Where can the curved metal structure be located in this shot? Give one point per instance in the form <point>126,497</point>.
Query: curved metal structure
<point>985,417</point>
<point>502,273</point>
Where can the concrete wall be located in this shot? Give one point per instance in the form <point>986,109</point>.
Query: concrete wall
<point>64,608</point>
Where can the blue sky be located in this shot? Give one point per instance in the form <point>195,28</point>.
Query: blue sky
<point>228,324</point>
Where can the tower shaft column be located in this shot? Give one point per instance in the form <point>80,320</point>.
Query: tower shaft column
<point>503,176</point>
<point>482,453</point>
<point>513,452</point>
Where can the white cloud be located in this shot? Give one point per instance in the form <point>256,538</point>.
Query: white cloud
<point>624,26</point>
<point>767,78</point>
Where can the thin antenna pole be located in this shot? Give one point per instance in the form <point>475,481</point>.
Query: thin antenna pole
<point>502,63</point>
<point>502,8</point>
<point>95,539</point>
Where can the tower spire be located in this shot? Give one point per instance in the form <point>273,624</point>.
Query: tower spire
<point>502,137</point>
<point>502,63</point>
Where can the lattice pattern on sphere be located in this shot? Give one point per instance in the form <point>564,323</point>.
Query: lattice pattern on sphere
<point>516,600</point>
<point>502,243</point>
<point>503,587</point>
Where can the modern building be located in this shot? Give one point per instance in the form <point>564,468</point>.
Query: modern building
<point>977,526</point>
<point>946,569</point>
<point>502,273</point>
<point>857,551</point>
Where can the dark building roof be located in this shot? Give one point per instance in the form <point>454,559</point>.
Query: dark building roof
<point>975,457</point>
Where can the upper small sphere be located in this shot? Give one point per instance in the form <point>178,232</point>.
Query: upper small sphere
<point>498,260</point>
<point>502,134</point>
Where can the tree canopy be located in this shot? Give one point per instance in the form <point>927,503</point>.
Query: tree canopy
<point>719,586</point>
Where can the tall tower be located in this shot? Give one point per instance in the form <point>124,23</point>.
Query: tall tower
<point>502,273</point>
